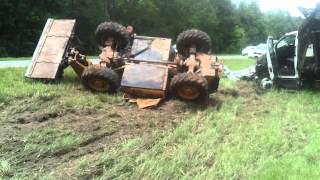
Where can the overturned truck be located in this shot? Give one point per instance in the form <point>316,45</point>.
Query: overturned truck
<point>294,60</point>
<point>146,69</point>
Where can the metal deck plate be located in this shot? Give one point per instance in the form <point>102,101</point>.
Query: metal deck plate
<point>146,76</point>
<point>50,49</point>
<point>151,48</point>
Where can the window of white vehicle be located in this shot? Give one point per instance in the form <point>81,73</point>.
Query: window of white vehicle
<point>262,47</point>
<point>287,41</point>
<point>309,52</point>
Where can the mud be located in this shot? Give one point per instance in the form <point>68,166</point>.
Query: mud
<point>100,129</point>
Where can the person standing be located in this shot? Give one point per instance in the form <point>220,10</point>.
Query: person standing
<point>131,32</point>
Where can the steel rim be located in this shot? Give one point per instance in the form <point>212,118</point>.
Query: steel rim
<point>99,85</point>
<point>188,92</point>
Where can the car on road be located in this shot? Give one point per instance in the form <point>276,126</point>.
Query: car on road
<point>246,50</point>
<point>258,51</point>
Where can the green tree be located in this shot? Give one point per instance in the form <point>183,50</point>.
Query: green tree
<point>278,22</point>
<point>251,28</point>
<point>230,26</point>
<point>21,24</point>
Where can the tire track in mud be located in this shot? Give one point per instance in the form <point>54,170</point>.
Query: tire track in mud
<point>103,128</point>
<point>100,129</point>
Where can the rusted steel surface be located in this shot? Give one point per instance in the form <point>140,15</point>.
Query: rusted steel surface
<point>151,48</point>
<point>207,64</point>
<point>78,61</point>
<point>143,75</point>
<point>144,93</point>
<point>50,49</point>
<point>148,75</point>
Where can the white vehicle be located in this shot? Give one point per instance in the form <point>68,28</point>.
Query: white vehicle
<point>247,50</point>
<point>259,51</point>
<point>293,61</point>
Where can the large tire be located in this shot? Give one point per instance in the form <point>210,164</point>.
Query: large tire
<point>100,79</point>
<point>189,87</point>
<point>193,37</point>
<point>113,30</point>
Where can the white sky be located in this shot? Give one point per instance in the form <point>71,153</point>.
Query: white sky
<point>290,5</point>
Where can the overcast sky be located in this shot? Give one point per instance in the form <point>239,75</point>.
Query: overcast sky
<point>290,5</point>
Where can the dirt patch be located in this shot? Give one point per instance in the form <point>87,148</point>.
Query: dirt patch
<point>94,130</point>
<point>252,103</point>
<point>244,89</point>
<point>99,129</point>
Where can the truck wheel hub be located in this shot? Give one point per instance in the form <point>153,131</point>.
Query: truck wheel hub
<point>188,92</point>
<point>99,85</point>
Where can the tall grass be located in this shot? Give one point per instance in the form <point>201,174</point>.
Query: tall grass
<point>251,135</point>
<point>14,58</point>
<point>14,86</point>
<point>238,62</point>
<point>273,136</point>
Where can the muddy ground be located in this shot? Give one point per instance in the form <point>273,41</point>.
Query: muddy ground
<point>100,128</point>
<point>30,129</point>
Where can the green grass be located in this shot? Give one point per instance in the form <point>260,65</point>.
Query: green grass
<point>36,143</point>
<point>16,86</point>
<point>14,58</point>
<point>26,101</point>
<point>5,168</point>
<point>29,58</point>
<point>273,136</point>
<point>252,135</point>
<point>238,62</point>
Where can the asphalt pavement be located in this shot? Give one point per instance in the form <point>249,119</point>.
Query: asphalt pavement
<point>15,64</point>
<point>24,63</point>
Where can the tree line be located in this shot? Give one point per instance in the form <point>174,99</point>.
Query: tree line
<point>231,26</point>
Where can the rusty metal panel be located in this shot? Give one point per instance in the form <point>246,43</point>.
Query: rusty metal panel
<point>62,28</point>
<point>144,93</point>
<point>46,68</point>
<point>51,49</point>
<point>146,76</point>
<point>151,48</point>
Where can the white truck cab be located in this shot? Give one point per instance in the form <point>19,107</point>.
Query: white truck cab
<point>294,59</point>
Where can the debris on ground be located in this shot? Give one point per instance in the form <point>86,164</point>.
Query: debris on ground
<point>244,74</point>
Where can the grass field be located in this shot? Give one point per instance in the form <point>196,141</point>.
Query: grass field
<point>237,62</point>
<point>59,131</point>
<point>29,58</point>
<point>14,58</point>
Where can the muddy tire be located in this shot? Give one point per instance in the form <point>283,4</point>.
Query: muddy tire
<point>189,87</point>
<point>113,30</point>
<point>100,79</point>
<point>193,37</point>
